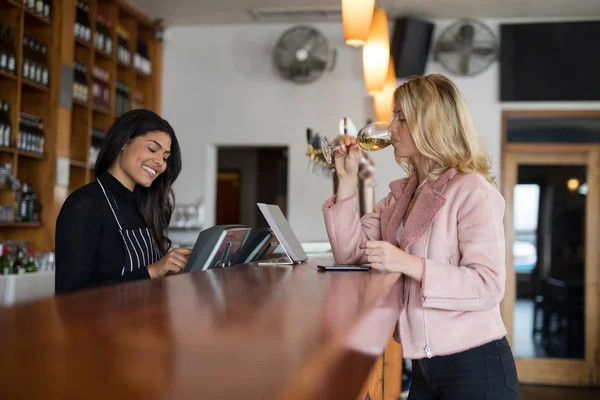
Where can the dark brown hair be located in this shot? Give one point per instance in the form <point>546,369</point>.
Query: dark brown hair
<point>156,202</point>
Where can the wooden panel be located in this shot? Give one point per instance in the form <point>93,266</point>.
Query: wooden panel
<point>67,36</point>
<point>509,180</point>
<point>78,177</point>
<point>157,65</point>
<point>592,282</point>
<point>546,370</point>
<point>126,73</point>
<point>67,130</point>
<point>81,132</point>
<point>551,113</point>
<point>551,371</point>
<point>392,371</point>
<point>63,140</point>
<point>373,385</point>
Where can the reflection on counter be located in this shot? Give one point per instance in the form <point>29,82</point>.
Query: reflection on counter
<point>21,203</point>
<point>18,258</point>
<point>25,274</point>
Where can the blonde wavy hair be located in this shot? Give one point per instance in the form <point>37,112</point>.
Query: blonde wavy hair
<point>442,128</point>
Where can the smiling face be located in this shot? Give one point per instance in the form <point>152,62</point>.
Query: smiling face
<point>402,140</point>
<point>142,159</point>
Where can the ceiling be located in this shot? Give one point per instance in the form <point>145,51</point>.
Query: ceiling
<point>192,12</point>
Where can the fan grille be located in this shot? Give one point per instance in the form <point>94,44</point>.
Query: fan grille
<point>301,54</point>
<point>467,47</point>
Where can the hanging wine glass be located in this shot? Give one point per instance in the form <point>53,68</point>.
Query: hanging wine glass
<point>371,137</point>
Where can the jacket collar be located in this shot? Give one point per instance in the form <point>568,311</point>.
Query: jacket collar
<point>430,200</point>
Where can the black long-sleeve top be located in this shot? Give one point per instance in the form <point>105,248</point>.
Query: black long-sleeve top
<point>89,248</point>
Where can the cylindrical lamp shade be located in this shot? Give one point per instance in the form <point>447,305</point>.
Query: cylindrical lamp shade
<point>382,100</point>
<point>356,18</point>
<point>376,52</point>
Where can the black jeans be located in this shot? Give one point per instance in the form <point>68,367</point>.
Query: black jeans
<point>486,372</point>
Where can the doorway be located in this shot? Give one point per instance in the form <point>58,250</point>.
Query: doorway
<point>246,176</point>
<point>551,184</point>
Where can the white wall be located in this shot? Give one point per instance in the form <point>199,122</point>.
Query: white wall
<point>219,88</point>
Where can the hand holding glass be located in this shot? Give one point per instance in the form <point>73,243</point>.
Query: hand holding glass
<point>371,137</point>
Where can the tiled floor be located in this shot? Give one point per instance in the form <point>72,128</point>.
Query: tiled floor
<point>530,392</point>
<point>523,344</point>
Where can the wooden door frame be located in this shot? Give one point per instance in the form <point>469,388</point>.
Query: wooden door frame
<point>550,370</point>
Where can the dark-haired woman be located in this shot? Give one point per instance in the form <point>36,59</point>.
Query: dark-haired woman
<point>114,229</point>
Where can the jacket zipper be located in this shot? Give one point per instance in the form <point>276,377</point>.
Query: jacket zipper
<point>426,348</point>
<point>426,298</point>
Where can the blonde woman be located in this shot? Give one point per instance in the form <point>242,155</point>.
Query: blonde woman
<point>441,229</point>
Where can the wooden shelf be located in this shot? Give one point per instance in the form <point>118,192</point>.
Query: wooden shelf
<point>80,103</point>
<point>9,76</point>
<point>142,75</point>
<point>14,3</point>
<point>17,224</point>
<point>31,154</point>
<point>79,164</point>
<point>67,130</point>
<point>104,55</point>
<point>31,16</point>
<point>7,150</point>
<point>123,66</point>
<point>35,86</point>
<point>83,43</point>
<point>103,111</point>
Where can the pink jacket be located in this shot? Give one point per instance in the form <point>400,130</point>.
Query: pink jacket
<point>456,226</point>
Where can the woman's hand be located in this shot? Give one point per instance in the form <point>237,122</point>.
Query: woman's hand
<point>173,263</point>
<point>384,256</point>
<point>347,158</point>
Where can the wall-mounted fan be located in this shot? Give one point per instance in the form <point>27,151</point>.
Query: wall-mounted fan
<point>302,54</point>
<point>467,47</point>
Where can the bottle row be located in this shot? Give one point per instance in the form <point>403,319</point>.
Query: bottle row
<point>97,139</point>
<point>101,90</point>
<point>81,88</point>
<point>15,261</point>
<point>8,62</point>
<point>41,7</point>
<point>123,103</point>
<point>31,135</point>
<point>35,57</point>
<point>123,53</point>
<point>35,61</point>
<point>4,124</point>
<point>82,28</point>
<point>103,38</point>
<point>141,62</point>
<point>26,208</point>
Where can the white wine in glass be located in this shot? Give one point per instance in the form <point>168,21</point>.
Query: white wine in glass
<point>371,137</point>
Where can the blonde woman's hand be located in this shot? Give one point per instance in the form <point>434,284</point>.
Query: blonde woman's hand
<point>384,256</point>
<point>347,158</point>
<point>172,263</point>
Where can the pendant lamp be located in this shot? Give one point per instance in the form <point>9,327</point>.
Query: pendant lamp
<point>376,52</point>
<point>356,18</point>
<point>382,100</point>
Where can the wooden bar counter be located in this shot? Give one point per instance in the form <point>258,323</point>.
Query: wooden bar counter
<point>244,332</point>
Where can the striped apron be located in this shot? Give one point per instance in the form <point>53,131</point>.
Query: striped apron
<point>140,248</point>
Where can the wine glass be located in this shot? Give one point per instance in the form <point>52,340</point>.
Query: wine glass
<point>371,137</point>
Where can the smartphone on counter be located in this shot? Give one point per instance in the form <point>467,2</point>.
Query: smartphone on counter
<point>343,267</point>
